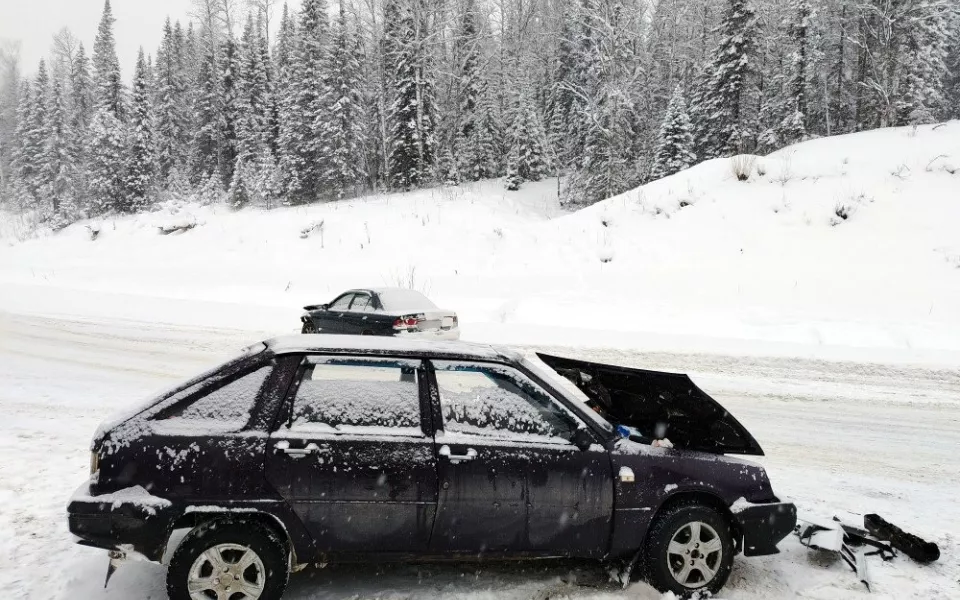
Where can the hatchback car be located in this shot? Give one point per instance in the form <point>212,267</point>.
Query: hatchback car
<point>311,449</point>
<point>381,311</point>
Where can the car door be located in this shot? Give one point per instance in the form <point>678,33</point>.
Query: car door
<point>351,456</point>
<point>355,319</point>
<point>331,320</point>
<point>512,481</point>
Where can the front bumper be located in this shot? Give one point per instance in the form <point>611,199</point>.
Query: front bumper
<point>111,524</point>
<point>764,525</point>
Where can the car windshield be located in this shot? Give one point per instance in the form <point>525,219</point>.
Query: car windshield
<point>403,300</point>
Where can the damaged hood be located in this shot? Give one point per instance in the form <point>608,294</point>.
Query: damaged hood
<point>659,405</point>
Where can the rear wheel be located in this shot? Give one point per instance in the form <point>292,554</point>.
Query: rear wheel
<point>689,549</point>
<point>222,560</point>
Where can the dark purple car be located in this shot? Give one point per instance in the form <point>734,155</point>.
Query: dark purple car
<point>311,449</point>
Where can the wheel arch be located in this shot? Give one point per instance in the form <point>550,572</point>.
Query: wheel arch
<point>191,519</point>
<point>700,497</point>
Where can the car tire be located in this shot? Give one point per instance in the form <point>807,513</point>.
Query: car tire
<point>689,549</point>
<point>230,545</point>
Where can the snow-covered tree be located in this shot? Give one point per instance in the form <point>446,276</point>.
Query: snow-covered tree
<point>411,118</point>
<point>478,153</point>
<point>675,144</point>
<point>922,47</point>
<point>108,84</point>
<point>55,167</point>
<point>106,172</point>
<point>207,131</point>
<point>343,126</point>
<point>171,106</point>
<point>32,156</point>
<point>141,162</point>
<point>526,157</point>
<point>723,123</point>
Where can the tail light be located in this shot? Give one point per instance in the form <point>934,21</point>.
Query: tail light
<point>407,322</point>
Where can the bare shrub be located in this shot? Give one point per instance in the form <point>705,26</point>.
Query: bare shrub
<point>409,280</point>
<point>742,166</point>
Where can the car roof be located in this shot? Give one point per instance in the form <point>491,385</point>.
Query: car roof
<point>380,290</point>
<point>369,344</point>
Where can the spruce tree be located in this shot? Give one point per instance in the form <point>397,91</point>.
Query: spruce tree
<point>411,117</point>
<point>141,162</point>
<point>33,155</point>
<point>206,121</point>
<point>343,131</point>
<point>56,152</point>
<point>723,126</point>
<point>674,151</point>
<point>795,125</point>
<point>478,134</point>
<point>171,108</point>
<point>106,175</point>
<point>229,110</point>
<point>923,45</point>
<point>108,87</point>
<point>526,158</point>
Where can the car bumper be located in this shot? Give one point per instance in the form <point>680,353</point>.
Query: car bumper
<point>431,334</point>
<point>764,525</point>
<point>110,524</point>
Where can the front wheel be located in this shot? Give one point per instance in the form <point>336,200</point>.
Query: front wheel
<point>222,560</point>
<point>689,549</point>
<point>308,327</point>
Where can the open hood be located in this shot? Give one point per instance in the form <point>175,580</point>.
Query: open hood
<point>659,405</point>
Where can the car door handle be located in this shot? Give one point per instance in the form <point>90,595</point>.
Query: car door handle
<point>457,458</point>
<point>311,448</point>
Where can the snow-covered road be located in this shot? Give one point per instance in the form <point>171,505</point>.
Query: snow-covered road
<point>838,436</point>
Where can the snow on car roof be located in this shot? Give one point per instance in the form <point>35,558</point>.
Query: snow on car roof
<point>380,344</point>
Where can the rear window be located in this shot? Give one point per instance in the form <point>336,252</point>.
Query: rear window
<point>402,300</point>
<point>359,396</point>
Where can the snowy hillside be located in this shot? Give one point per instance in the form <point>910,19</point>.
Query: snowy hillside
<point>846,246</point>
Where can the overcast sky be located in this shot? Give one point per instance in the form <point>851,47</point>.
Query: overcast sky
<point>139,23</point>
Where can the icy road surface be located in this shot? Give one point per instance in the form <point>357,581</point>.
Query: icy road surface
<point>838,436</point>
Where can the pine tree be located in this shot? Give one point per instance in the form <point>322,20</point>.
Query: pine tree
<point>109,87</point>
<point>952,84</point>
<point>141,162</point>
<point>343,131</point>
<point>411,109</point>
<point>81,91</point>
<point>675,143</point>
<point>723,126</point>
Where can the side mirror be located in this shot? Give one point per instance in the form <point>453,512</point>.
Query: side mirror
<point>583,439</point>
<point>324,306</point>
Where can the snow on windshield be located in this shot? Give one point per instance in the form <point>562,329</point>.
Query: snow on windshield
<point>400,300</point>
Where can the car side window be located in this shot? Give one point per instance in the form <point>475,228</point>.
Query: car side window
<point>357,395</point>
<point>225,409</point>
<point>342,303</point>
<point>362,303</point>
<point>498,401</point>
